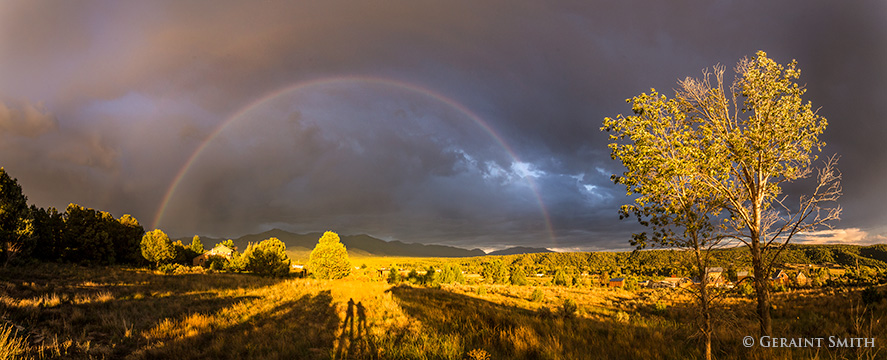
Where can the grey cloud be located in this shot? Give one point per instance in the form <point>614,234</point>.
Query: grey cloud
<point>137,88</point>
<point>29,120</point>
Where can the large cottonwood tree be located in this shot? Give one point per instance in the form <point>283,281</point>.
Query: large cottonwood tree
<point>748,141</point>
<point>662,158</point>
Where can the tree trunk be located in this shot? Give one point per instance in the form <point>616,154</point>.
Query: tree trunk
<point>762,289</point>
<point>704,302</point>
<point>706,319</point>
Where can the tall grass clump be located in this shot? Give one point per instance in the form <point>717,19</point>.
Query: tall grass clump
<point>12,346</point>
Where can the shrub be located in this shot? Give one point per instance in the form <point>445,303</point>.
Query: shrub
<point>393,276</point>
<point>168,268</point>
<point>481,290</point>
<point>451,273</point>
<point>413,276</point>
<point>568,309</point>
<point>216,262</point>
<point>537,295</point>
<point>622,316</point>
<point>495,272</point>
<point>517,276</point>
<point>267,258</point>
<point>560,278</point>
<point>478,354</point>
<point>431,278</point>
<point>329,259</point>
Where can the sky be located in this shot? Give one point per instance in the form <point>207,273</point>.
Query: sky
<point>465,123</point>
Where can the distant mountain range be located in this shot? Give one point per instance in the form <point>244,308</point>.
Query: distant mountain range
<point>364,245</point>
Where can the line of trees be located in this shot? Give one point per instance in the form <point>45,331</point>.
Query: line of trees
<point>78,235</point>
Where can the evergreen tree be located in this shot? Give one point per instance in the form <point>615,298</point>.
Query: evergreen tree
<point>196,245</point>
<point>517,276</point>
<point>329,259</point>
<point>560,278</point>
<point>15,223</point>
<point>157,247</point>
<point>127,239</point>
<point>48,241</point>
<point>267,258</point>
<point>495,272</point>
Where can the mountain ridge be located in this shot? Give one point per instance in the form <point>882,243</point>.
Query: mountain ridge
<point>364,243</point>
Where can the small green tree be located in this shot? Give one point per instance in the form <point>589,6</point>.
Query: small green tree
<point>329,259</point>
<point>517,276</point>
<point>197,246</point>
<point>127,236</point>
<point>451,273</point>
<point>267,258</point>
<point>560,278</point>
<point>495,272</point>
<point>431,278</point>
<point>393,276</point>
<point>157,247</point>
<point>537,295</point>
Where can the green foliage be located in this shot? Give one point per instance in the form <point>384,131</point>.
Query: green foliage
<point>329,259</point>
<point>267,258</point>
<point>568,309</point>
<point>451,273</point>
<point>537,295</point>
<point>197,246</point>
<point>16,227</point>
<point>706,150</point>
<point>495,272</point>
<point>12,346</point>
<point>560,278</point>
<point>95,237</point>
<point>431,278</point>
<point>48,237</point>
<point>413,277</point>
<point>630,284</point>
<point>216,263</point>
<point>517,276</point>
<point>393,276</point>
<point>157,247</point>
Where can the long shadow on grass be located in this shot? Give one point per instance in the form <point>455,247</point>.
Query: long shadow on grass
<point>517,333</point>
<point>109,309</point>
<point>304,328</point>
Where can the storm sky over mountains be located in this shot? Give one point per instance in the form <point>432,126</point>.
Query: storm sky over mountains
<point>473,124</point>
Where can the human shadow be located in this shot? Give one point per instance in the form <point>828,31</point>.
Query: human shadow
<point>355,344</point>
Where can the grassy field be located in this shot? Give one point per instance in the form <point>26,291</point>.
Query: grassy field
<point>62,311</point>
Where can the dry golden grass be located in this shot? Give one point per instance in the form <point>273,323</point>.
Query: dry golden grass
<point>92,313</point>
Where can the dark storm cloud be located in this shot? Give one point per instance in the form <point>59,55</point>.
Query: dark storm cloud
<point>127,92</point>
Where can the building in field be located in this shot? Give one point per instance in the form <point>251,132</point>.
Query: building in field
<point>220,250</point>
<point>780,277</point>
<point>616,282</point>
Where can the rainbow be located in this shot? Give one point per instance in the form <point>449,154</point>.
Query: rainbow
<point>158,218</point>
